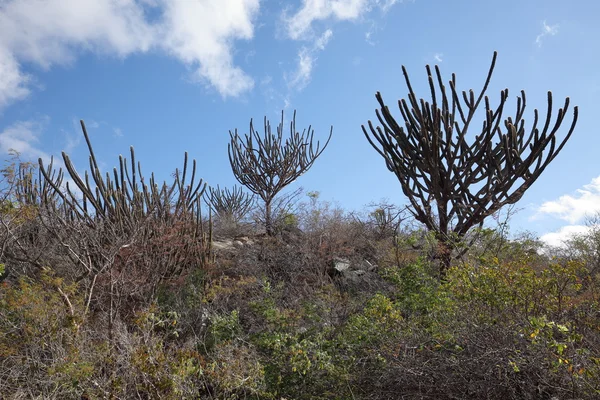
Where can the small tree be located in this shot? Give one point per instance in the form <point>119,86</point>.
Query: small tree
<point>265,164</point>
<point>453,185</point>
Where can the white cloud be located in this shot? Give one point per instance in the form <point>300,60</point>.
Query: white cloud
<point>371,32</point>
<point>54,32</point>
<point>48,32</point>
<point>574,208</point>
<point>306,60</point>
<point>13,82</point>
<point>559,238</point>
<point>200,33</point>
<point>547,30</point>
<point>301,77</point>
<point>385,5</point>
<point>299,24</point>
<point>322,41</point>
<point>438,57</point>
<point>90,124</point>
<point>23,137</point>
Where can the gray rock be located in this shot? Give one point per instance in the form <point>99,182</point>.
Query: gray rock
<point>341,264</point>
<point>245,240</point>
<point>223,244</point>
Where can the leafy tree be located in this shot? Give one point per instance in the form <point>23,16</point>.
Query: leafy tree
<point>267,163</point>
<point>453,184</point>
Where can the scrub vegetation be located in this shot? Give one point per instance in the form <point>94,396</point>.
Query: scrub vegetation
<point>116,286</point>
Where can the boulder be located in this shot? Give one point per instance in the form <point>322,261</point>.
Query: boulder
<point>226,244</point>
<point>341,264</point>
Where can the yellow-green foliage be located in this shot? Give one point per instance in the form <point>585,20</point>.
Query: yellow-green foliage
<point>39,334</point>
<point>35,312</point>
<point>236,371</point>
<point>547,308</point>
<point>375,327</point>
<point>515,289</point>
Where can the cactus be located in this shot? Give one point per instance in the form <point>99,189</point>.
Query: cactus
<point>126,198</point>
<point>466,182</point>
<point>265,164</point>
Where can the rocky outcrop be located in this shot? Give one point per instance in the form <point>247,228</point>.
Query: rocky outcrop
<point>228,244</point>
<point>350,270</point>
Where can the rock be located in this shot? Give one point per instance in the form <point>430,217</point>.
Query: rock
<point>227,244</point>
<point>340,264</point>
<point>356,274</point>
<point>223,244</point>
<point>245,240</point>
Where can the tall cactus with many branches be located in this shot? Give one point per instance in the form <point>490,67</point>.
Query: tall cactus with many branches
<point>125,197</point>
<point>115,231</point>
<point>123,203</point>
<point>267,163</point>
<point>454,184</point>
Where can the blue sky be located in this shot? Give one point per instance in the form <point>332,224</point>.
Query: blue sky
<point>169,76</point>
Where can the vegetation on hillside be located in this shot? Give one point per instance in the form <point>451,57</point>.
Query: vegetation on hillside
<point>114,286</point>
